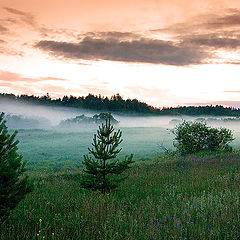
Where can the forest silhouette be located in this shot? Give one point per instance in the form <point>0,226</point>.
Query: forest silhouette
<point>116,103</point>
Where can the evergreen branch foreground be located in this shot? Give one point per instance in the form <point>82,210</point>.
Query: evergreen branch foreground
<point>14,185</point>
<point>102,171</point>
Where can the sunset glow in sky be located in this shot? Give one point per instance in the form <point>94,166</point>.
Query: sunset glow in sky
<point>163,52</point>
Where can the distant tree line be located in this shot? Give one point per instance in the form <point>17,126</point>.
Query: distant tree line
<point>117,104</point>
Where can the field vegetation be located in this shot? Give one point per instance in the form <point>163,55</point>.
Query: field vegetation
<point>196,197</point>
<point>167,195</point>
<point>57,150</point>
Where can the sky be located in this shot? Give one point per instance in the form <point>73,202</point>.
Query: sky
<point>162,52</point>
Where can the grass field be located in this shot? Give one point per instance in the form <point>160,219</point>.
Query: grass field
<point>164,197</point>
<point>53,150</point>
<point>191,198</point>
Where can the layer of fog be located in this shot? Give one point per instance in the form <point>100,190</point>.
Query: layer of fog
<point>51,116</point>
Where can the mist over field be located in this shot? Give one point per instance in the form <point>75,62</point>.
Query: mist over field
<point>53,114</point>
<point>45,143</point>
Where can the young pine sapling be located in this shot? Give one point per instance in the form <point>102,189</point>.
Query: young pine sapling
<point>102,170</point>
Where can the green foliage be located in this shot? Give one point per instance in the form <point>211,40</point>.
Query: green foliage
<point>197,136</point>
<point>13,185</point>
<point>102,171</point>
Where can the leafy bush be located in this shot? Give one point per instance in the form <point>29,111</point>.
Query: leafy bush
<point>194,137</point>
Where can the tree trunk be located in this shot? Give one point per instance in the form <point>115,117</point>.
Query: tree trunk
<point>104,177</point>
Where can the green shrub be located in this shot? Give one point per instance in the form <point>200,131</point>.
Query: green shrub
<point>194,137</point>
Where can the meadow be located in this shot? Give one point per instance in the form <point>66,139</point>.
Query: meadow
<point>164,196</point>
<point>196,197</point>
<point>54,150</point>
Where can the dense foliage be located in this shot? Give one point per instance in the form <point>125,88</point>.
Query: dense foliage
<point>102,171</point>
<point>13,185</point>
<point>197,136</point>
<point>118,104</point>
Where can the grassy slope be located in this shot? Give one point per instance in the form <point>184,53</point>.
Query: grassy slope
<point>195,198</point>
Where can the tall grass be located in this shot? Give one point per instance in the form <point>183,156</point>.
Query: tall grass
<point>194,198</point>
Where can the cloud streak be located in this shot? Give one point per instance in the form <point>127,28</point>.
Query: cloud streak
<point>205,22</point>
<point>27,18</point>
<point>19,19</point>
<point>9,77</point>
<point>3,29</point>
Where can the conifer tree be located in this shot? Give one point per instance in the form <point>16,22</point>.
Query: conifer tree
<point>13,184</point>
<point>102,170</point>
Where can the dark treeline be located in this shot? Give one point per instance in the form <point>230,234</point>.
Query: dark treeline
<point>117,104</point>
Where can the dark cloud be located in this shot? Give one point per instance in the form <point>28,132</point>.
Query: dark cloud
<point>192,42</point>
<point>142,50</point>
<point>230,19</point>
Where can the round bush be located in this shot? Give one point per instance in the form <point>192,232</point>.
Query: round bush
<point>194,137</point>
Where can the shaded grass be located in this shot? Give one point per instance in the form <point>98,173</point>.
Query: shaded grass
<point>192,198</point>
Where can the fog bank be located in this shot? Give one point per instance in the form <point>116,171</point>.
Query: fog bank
<point>23,115</point>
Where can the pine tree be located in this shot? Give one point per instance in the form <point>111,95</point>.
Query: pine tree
<point>13,184</point>
<point>103,171</point>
